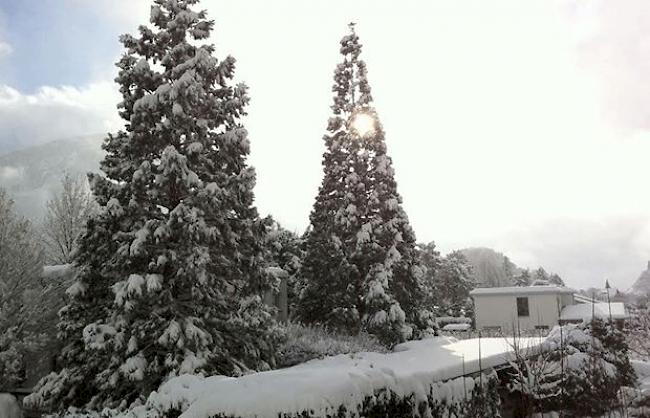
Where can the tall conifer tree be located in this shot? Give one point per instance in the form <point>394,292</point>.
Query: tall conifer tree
<point>361,266</point>
<point>170,270</point>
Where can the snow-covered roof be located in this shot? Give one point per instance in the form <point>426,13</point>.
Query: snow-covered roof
<point>457,327</point>
<point>58,271</point>
<point>521,290</point>
<point>319,385</point>
<point>583,311</point>
<point>452,319</point>
<point>583,299</point>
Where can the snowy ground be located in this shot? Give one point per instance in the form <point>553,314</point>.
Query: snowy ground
<point>321,385</point>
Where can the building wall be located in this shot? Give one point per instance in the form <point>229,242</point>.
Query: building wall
<point>279,300</point>
<point>501,311</point>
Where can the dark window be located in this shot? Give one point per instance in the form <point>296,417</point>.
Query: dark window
<point>522,307</point>
<point>542,327</point>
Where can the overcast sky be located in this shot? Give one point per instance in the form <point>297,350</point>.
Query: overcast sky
<point>519,125</point>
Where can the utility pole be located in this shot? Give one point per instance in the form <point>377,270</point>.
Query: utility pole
<point>609,304</point>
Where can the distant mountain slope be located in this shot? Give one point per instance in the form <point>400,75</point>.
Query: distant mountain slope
<point>33,174</point>
<point>489,267</point>
<point>642,285</point>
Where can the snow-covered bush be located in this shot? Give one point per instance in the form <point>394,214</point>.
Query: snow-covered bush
<point>11,365</point>
<point>417,379</point>
<point>472,397</point>
<point>457,398</point>
<point>636,400</point>
<point>307,342</point>
<point>579,369</point>
<point>637,332</point>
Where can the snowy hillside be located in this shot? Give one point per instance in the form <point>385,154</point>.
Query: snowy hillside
<point>642,285</point>
<point>489,266</point>
<point>32,174</point>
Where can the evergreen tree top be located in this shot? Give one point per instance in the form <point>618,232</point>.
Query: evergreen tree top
<point>351,86</point>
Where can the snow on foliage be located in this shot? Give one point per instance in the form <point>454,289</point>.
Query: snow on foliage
<point>361,266</point>
<point>427,372</point>
<point>171,266</point>
<point>95,336</point>
<point>76,289</point>
<point>579,368</point>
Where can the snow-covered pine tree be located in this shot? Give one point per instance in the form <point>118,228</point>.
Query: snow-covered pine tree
<point>430,260</point>
<point>90,301</point>
<point>556,280</point>
<point>171,274</point>
<point>453,282</point>
<point>540,275</point>
<point>332,293</point>
<point>361,265</point>
<point>284,252</point>
<point>522,279</point>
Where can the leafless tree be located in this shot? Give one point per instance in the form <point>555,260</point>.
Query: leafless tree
<point>65,219</point>
<point>20,290</point>
<point>535,375</point>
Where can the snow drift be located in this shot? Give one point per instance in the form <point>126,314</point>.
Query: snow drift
<point>424,372</point>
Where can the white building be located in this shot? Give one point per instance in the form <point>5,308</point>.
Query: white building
<point>509,309</point>
<point>585,311</point>
<point>519,308</point>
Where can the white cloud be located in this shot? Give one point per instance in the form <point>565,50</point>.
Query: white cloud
<point>56,112</point>
<point>9,173</point>
<point>613,46</point>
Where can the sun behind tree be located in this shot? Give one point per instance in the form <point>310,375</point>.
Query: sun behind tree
<point>361,267</point>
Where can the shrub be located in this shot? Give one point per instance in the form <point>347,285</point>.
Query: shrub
<point>581,370</point>
<point>304,343</point>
